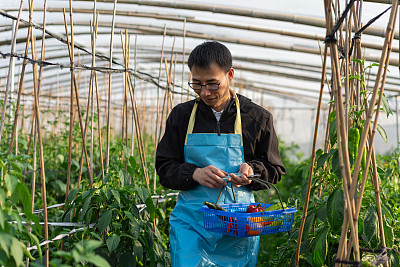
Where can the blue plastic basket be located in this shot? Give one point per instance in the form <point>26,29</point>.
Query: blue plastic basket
<point>236,222</point>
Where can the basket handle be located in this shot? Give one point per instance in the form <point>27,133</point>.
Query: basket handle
<point>268,184</point>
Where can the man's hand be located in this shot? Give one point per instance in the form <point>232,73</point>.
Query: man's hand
<point>210,176</point>
<point>244,170</point>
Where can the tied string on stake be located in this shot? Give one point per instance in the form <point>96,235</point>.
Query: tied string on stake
<point>380,259</point>
<point>330,38</point>
<point>353,263</point>
<point>357,35</point>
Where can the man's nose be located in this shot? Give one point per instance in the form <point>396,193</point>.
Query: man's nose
<point>204,91</point>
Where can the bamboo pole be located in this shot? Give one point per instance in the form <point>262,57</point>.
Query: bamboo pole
<point>99,130</point>
<point>20,89</point>
<point>71,123</point>
<point>125,86</point>
<point>183,56</point>
<point>368,118</point>
<point>93,35</point>
<point>313,155</point>
<point>42,170</point>
<point>128,47</point>
<point>3,113</point>
<point>109,88</point>
<point>134,87</point>
<point>83,133</point>
<point>158,134</point>
<point>342,136</point>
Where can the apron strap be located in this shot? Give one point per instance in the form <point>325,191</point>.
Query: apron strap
<point>238,120</point>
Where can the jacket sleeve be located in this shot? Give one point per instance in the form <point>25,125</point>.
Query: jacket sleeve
<point>267,159</point>
<point>173,171</point>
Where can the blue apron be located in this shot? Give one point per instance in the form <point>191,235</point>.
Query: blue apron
<point>191,244</point>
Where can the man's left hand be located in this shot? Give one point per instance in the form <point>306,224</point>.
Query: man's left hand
<point>244,170</point>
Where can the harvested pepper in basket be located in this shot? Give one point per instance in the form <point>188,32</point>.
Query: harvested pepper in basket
<point>254,208</point>
<point>213,206</point>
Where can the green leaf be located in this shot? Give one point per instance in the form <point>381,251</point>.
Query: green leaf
<point>124,177</point>
<point>386,107</point>
<point>389,234</point>
<point>86,206</point>
<point>135,228</point>
<point>382,132</point>
<point>16,167</point>
<point>5,241</point>
<point>308,225</point>
<point>335,210</point>
<point>129,215</point>
<point>135,211</point>
<point>17,251</point>
<point>138,250</point>
<point>322,213</point>
<point>2,219</point>
<point>393,259</point>
<point>107,177</point>
<point>336,165</point>
<point>25,196</point>
<point>104,220</point>
<point>320,248</point>
<point>97,260</point>
<point>127,259</point>
<point>321,160</point>
<point>11,182</point>
<point>142,192</point>
<point>113,242</point>
<point>72,195</point>
<point>126,152</point>
<point>150,207</point>
<point>371,227</point>
<point>332,132</point>
<point>116,196</point>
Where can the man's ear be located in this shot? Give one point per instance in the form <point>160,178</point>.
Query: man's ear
<point>231,72</point>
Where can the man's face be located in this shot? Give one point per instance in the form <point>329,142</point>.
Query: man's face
<point>218,98</point>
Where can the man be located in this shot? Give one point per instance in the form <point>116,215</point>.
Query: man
<point>218,135</point>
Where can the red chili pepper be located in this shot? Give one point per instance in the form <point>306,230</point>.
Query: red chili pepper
<point>254,208</point>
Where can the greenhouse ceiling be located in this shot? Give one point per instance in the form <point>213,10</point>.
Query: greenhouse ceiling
<point>277,46</point>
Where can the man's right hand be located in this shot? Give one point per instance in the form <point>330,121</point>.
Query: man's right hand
<point>210,176</point>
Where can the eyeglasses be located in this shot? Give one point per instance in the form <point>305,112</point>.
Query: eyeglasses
<point>209,86</point>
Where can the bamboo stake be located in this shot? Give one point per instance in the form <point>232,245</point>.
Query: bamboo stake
<point>368,118</point>
<point>157,135</point>
<point>21,85</point>
<point>94,33</point>
<point>128,48</point>
<point>183,56</point>
<point>342,137</point>
<point>109,88</point>
<point>99,130</point>
<point>42,170</point>
<point>134,87</point>
<point>33,182</point>
<point>3,113</point>
<point>71,124</point>
<point>313,155</point>
<point>125,87</point>
<point>83,133</point>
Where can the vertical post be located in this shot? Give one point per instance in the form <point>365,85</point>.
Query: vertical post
<point>397,131</point>
<point>9,70</point>
<point>183,57</point>
<point>109,89</point>
<point>12,85</point>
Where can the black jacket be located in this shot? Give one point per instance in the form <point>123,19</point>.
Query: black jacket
<point>260,142</point>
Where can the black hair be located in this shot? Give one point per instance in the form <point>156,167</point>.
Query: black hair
<point>207,53</point>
